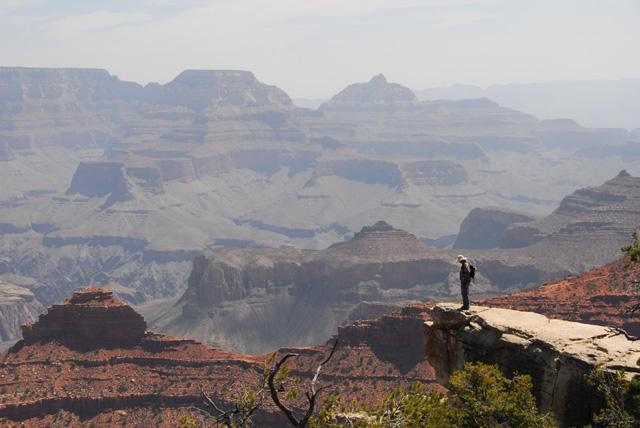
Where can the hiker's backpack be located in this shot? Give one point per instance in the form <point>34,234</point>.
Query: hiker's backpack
<point>472,271</point>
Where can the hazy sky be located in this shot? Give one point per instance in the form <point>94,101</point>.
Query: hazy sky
<point>313,48</point>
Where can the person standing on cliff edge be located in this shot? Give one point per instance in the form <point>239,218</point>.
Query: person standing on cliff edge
<point>466,273</point>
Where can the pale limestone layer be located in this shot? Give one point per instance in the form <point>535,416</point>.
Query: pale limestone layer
<point>18,305</point>
<point>557,354</point>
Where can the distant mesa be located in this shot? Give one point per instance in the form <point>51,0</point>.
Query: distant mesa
<point>99,179</point>
<point>377,92</point>
<point>194,89</point>
<point>91,317</point>
<point>484,228</point>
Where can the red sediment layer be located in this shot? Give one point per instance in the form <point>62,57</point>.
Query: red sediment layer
<point>601,296</point>
<point>50,380</point>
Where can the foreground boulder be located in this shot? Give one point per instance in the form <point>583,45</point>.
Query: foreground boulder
<point>557,354</point>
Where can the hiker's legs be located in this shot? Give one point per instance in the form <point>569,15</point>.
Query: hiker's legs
<point>464,286</point>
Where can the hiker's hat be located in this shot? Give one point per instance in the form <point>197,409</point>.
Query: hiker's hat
<point>461,258</point>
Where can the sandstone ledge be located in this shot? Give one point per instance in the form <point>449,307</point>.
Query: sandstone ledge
<point>557,354</point>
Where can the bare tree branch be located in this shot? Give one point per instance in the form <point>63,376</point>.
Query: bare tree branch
<point>311,396</point>
<point>617,331</point>
<point>210,403</point>
<point>326,360</point>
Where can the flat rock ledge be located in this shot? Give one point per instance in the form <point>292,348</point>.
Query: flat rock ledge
<point>557,354</point>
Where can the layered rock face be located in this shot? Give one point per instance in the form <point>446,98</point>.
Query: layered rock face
<point>603,296</point>
<point>589,226</point>
<point>156,380</point>
<point>398,336</point>
<point>199,89</point>
<point>216,157</point>
<point>557,354</point>
<point>383,241</point>
<point>18,306</point>
<point>107,180</point>
<point>257,299</point>
<point>91,317</point>
<point>606,214</point>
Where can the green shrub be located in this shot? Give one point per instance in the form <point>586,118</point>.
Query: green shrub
<point>480,396</point>
<point>621,399</point>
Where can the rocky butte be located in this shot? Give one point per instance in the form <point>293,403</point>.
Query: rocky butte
<point>90,318</point>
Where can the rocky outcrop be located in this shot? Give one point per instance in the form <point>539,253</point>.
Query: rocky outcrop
<point>90,318</point>
<point>557,354</point>
<point>99,179</point>
<point>602,296</point>
<point>361,170</point>
<point>435,172</point>
<point>398,336</point>
<point>18,306</point>
<point>484,228</point>
<point>393,175</point>
<point>147,177</point>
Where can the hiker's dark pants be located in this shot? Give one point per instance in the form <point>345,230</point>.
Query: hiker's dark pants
<point>464,288</point>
